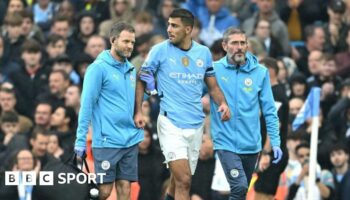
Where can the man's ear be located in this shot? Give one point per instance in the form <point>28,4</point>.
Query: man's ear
<point>112,39</point>
<point>224,45</point>
<point>188,29</point>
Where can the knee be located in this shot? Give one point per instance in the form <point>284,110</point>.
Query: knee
<point>104,193</point>
<point>239,189</point>
<point>183,181</point>
<point>124,188</point>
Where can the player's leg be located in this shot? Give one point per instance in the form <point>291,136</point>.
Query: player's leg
<point>105,160</point>
<point>175,147</point>
<point>235,175</point>
<point>181,173</point>
<point>123,189</point>
<point>126,171</point>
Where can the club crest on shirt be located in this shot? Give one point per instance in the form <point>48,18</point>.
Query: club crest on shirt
<point>248,82</point>
<point>199,62</point>
<point>185,61</point>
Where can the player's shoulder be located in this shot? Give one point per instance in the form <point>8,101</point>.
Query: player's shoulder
<point>199,46</point>
<point>160,46</point>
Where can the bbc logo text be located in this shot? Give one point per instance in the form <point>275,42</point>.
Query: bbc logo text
<point>48,178</point>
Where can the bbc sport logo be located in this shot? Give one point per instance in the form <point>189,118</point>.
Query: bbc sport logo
<point>47,178</point>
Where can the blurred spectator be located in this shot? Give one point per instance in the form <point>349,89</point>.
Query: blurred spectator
<point>54,148</point>
<point>262,33</point>
<point>343,58</point>
<point>315,40</point>
<point>61,26</point>
<point>12,35</point>
<point>85,27</point>
<point>10,140</point>
<point>81,64</point>
<point>242,9</point>
<point>256,48</point>
<point>15,6</point>
<point>314,63</point>
<point>29,29</point>
<point>346,16</point>
<point>197,27</point>
<point>283,75</point>
<point>72,97</point>
<point>217,51</point>
<point>328,81</point>
<point>152,171</point>
<point>7,103</point>
<point>42,116</point>
<point>214,17</point>
<point>66,8</point>
<point>295,104</point>
<point>63,62</point>
<point>324,187</point>
<point>31,79</point>
<point>44,11</point>
<point>142,47</point>
<point>298,86</point>
<point>298,14</point>
<point>120,10</point>
<point>63,122</point>
<point>278,28</point>
<point>341,170</point>
<point>55,46</point>
<point>58,84</point>
<point>6,65</point>
<point>39,141</point>
<point>100,7</point>
<point>339,115</point>
<point>23,161</point>
<point>143,23</point>
<point>95,45</point>
<point>164,9</point>
<point>335,29</point>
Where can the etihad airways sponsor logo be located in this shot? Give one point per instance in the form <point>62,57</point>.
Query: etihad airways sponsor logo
<point>186,76</point>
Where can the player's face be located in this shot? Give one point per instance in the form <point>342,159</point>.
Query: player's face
<point>176,30</point>
<point>124,44</point>
<point>236,46</point>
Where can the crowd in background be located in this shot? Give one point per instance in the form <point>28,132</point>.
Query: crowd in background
<point>47,45</point>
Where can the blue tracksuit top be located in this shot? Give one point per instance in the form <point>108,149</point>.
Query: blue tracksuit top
<point>107,102</point>
<point>247,91</point>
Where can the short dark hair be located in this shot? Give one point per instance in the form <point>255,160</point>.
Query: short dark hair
<point>38,131</point>
<point>340,147</point>
<point>270,63</point>
<point>54,38</point>
<point>8,91</point>
<point>302,145</point>
<point>31,46</point>
<point>232,31</point>
<point>70,113</point>
<point>310,30</point>
<point>62,72</point>
<point>13,19</point>
<point>27,14</point>
<point>119,27</point>
<point>186,16</point>
<point>60,18</point>
<point>9,117</point>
